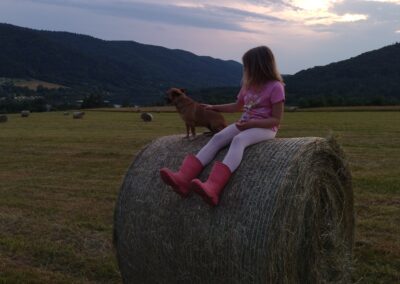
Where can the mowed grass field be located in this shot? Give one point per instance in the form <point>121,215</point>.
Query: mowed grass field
<point>59,179</point>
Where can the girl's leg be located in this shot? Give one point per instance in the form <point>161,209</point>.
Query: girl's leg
<point>219,140</point>
<point>241,141</point>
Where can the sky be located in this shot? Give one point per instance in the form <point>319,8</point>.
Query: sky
<point>301,33</point>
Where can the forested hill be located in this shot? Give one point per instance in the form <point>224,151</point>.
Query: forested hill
<point>370,78</point>
<point>125,69</point>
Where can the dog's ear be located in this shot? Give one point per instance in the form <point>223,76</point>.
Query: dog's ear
<point>177,93</point>
<point>183,91</point>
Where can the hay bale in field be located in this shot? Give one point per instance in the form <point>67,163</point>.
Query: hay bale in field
<point>286,216</point>
<point>147,117</point>
<point>78,114</point>
<point>66,113</point>
<point>291,108</point>
<point>3,118</point>
<point>25,113</point>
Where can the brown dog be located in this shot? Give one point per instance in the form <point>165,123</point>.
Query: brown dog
<point>194,114</point>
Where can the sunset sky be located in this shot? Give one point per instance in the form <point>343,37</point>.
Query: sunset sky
<point>302,33</point>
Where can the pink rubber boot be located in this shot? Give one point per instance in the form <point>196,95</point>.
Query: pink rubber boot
<point>211,190</point>
<point>180,181</point>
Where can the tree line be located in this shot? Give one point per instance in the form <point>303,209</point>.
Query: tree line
<point>16,98</point>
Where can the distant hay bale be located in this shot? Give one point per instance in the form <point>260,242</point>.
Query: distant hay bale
<point>78,114</point>
<point>291,108</point>
<point>3,118</point>
<point>286,216</point>
<point>66,113</point>
<point>147,117</point>
<point>25,113</point>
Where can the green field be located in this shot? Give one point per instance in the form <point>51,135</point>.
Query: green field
<point>30,84</point>
<point>59,179</point>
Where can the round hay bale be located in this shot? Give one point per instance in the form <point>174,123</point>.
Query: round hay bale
<point>3,118</point>
<point>286,216</point>
<point>78,114</point>
<point>147,117</point>
<point>66,113</point>
<point>291,108</point>
<point>25,113</point>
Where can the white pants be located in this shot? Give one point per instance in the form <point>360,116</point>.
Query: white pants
<point>239,141</point>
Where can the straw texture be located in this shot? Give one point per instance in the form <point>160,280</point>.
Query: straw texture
<point>286,216</point>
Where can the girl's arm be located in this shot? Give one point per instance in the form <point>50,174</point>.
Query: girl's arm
<point>274,120</point>
<point>232,107</point>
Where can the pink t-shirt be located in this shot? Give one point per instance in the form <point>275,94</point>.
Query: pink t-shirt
<point>258,105</point>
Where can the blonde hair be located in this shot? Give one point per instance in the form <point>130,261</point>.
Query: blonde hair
<point>259,67</point>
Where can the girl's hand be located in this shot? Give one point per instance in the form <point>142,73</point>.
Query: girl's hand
<point>243,125</point>
<point>208,107</point>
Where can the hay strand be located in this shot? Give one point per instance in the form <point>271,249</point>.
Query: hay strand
<point>286,216</point>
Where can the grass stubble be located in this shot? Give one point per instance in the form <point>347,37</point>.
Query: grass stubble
<point>59,179</point>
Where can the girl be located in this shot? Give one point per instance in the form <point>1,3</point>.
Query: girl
<point>262,99</point>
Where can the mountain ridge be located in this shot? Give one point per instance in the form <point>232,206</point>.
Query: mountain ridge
<point>372,76</point>
<point>117,67</point>
<point>131,72</point>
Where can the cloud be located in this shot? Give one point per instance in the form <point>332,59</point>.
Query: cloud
<point>382,15</point>
<point>386,1</point>
<point>201,16</point>
<point>242,13</point>
<point>231,15</point>
<point>321,12</point>
<point>374,8</point>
